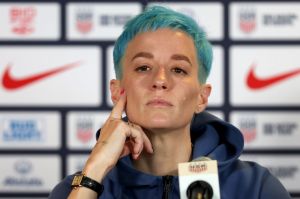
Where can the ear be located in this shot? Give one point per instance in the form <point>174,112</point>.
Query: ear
<point>205,91</point>
<point>115,88</point>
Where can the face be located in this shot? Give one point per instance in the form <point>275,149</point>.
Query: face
<point>160,79</point>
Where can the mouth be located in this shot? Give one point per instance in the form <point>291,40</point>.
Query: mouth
<point>159,103</point>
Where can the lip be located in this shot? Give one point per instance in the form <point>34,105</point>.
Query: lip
<point>159,103</point>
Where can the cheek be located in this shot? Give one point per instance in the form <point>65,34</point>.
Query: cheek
<point>130,110</point>
<point>134,103</point>
<point>188,97</point>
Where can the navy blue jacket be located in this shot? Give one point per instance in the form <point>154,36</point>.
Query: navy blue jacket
<point>211,137</point>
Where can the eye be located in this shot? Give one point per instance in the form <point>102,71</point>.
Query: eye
<point>179,71</point>
<point>142,68</point>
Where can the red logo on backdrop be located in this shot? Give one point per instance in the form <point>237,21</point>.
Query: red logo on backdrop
<point>22,19</point>
<point>84,21</point>
<point>85,130</point>
<point>249,135</point>
<point>11,83</point>
<point>248,129</point>
<point>247,21</point>
<point>255,82</point>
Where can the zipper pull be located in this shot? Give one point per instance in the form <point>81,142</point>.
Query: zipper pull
<point>167,186</point>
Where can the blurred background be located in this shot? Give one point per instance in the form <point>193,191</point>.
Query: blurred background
<point>56,63</point>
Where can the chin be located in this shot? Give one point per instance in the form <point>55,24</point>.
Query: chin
<point>157,122</point>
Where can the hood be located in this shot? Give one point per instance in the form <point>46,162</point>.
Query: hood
<point>211,137</point>
<point>216,139</point>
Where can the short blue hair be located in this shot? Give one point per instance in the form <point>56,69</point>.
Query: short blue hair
<point>157,17</point>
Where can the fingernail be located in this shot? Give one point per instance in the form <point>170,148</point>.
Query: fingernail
<point>137,157</point>
<point>122,91</point>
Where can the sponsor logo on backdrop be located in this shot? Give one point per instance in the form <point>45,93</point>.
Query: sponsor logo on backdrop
<point>114,20</point>
<point>22,19</point>
<point>29,130</point>
<point>279,19</point>
<point>264,20</point>
<point>248,128</point>
<point>84,129</point>
<point>282,129</point>
<point>23,130</point>
<point>50,75</point>
<point>268,129</point>
<point>260,79</point>
<point>30,21</point>
<point>11,83</point>
<point>283,172</point>
<point>23,167</point>
<point>254,82</point>
<point>22,177</point>
<point>84,20</point>
<point>94,21</point>
<point>247,20</point>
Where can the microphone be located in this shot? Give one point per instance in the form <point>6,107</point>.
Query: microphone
<point>199,190</point>
<point>199,179</point>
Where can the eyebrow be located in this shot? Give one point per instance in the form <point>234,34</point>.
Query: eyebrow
<point>181,57</point>
<point>143,54</point>
<point>178,57</point>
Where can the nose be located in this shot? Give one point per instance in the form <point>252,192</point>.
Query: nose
<point>160,79</point>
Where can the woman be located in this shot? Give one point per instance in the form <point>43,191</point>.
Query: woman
<point>162,60</point>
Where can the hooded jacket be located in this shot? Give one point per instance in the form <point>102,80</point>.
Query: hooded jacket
<point>211,137</point>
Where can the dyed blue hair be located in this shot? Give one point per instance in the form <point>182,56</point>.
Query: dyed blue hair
<point>157,17</point>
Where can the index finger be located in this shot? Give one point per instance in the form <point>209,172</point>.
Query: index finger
<point>118,109</point>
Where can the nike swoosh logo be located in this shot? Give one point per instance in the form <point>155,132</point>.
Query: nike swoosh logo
<point>255,82</point>
<point>11,83</point>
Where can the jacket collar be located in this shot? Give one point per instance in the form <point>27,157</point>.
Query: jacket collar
<point>210,136</point>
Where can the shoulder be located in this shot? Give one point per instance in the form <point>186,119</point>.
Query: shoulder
<point>257,179</point>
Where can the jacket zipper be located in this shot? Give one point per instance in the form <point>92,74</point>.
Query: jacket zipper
<point>167,186</point>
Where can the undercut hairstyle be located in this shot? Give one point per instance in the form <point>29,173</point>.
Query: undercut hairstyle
<point>157,17</point>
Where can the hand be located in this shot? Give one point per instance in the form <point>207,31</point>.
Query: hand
<point>117,139</point>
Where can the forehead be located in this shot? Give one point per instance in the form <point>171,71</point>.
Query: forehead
<point>163,39</point>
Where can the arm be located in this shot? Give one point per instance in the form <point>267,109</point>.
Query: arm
<point>117,139</point>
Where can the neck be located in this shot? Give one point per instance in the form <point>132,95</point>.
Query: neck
<point>170,148</point>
